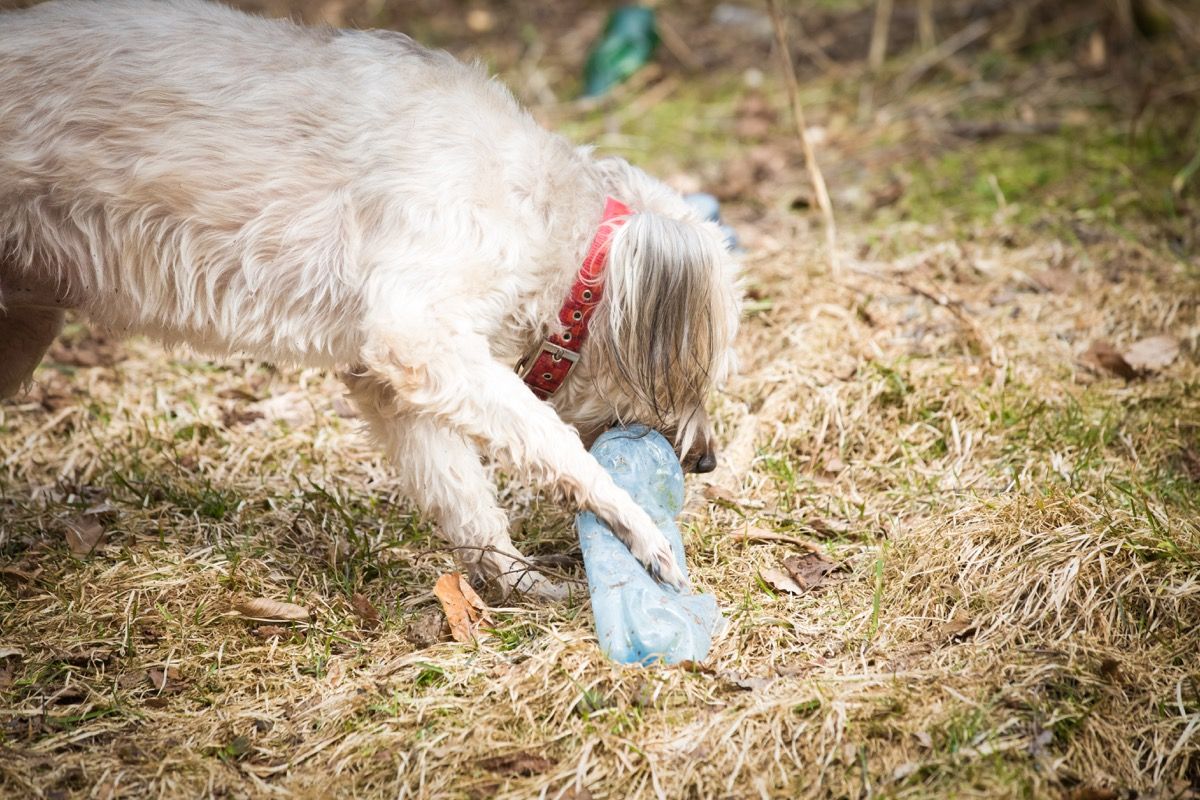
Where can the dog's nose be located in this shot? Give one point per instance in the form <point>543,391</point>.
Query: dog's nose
<point>706,462</point>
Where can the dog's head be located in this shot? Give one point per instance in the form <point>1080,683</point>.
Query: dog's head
<point>662,338</point>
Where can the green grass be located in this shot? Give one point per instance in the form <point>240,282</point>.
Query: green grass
<point>1091,174</point>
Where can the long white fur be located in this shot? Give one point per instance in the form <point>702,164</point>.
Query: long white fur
<point>349,200</point>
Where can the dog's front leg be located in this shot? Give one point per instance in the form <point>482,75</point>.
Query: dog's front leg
<point>443,475</point>
<point>454,379</point>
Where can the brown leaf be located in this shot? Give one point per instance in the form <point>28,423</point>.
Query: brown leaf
<point>90,351</point>
<point>827,528</point>
<point>165,681</point>
<point>960,626</point>
<point>27,575</point>
<point>1059,281</point>
<point>83,656</point>
<point>720,495</point>
<point>809,570</point>
<point>523,764</point>
<point>1103,355</point>
<point>696,667</point>
<point>52,391</point>
<point>271,631</point>
<point>362,606</point>
<point>1110,668</point>
<point>84,534</point>
<point>1152,354</point>
<point>782,581</point>
<point>271,610</point>
<point>426,629</point>
<point>67,696</point>
<point>464,610</point>
<point>234,416</point>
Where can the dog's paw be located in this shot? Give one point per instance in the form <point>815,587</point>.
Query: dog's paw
<point>512,573</point>
<point>655,554</point>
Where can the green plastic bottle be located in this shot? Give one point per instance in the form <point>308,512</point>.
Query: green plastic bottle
<point>628,42</point>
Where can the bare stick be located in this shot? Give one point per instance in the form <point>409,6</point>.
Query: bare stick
<point>931,58</point>
<point>926,31</point>
<point>810,157</point>
<point>765,536</point>
<point>879,34</point>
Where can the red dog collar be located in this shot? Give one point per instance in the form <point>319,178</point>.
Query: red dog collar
<point>545,369</point>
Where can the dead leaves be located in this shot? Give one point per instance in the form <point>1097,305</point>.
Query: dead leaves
<point>781,581</point>
<point>1104,356</point>
<point>801,574</point>
<point>363,608</point>
<point>1141,359</point>
<point>265,610</point>
<point>810,570</point>
<point>521,764</point>
<point>1054,280</point>
<point>85,532</point>
<point>720,495</point>
<point>88,351</point>
<point>426,629</point>
<point>957,628</point>
<point>83,535</point>
<point>1152,354</point>
<point>168,680</point>
<point>465,611</point>
<point>268,632</point>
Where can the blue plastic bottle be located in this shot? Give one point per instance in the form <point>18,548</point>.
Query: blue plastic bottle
<point>638,620</point>
<point>709,208</point>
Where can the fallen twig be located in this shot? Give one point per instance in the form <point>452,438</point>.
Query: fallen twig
<point>879,34</point>
<point>753,535</point>
<point>930,59</point>
<point>974,330</point>
<point>810,157</point>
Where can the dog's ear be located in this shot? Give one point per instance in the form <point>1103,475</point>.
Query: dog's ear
<point>662,325</point>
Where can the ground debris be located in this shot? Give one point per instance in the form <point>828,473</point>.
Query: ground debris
<point>1145,357</point>
<point>427,629</point>
<point>523,764</point>
<point>810,570</point>
<point>264,609</point>
<point>464,609</point>
<point>84,534</point>
<point>365,610</point>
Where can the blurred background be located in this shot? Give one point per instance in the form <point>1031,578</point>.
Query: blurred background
<point>1054,112</point>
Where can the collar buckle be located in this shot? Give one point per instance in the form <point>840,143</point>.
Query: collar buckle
<point>556,352</point>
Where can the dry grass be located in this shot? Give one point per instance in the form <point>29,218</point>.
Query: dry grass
<point>1018,612</point>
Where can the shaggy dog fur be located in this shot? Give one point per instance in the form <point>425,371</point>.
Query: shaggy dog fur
<point>354,201</point>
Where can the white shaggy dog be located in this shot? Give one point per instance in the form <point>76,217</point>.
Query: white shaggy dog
<point>355,201</point>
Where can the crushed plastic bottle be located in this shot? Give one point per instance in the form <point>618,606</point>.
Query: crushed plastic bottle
<point>628,42</point>
<point>638,620</point>
<point>709,208</point>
